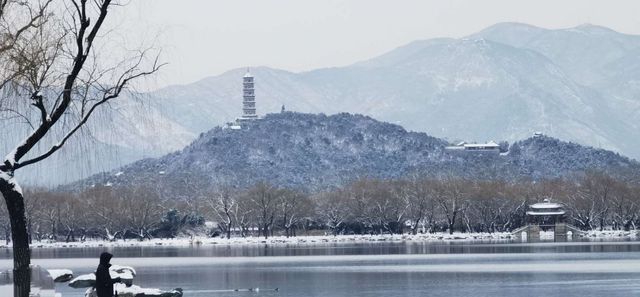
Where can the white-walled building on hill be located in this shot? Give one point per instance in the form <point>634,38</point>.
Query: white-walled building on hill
<point>490,146</point>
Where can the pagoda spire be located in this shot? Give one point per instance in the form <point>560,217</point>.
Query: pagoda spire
<point>248,97</point>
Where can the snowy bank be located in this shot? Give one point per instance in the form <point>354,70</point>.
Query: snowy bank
<point>89,280</point>
<point>136,291</point>
<point>313,240</point>
<point>279,240</point>
<point>124,288</point>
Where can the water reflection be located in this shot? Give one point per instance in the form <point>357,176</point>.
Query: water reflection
<point>328,249</point>
<point>497,269</point>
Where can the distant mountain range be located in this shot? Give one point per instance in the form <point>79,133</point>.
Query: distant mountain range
<point>315,151</point>
<point>579,84</point>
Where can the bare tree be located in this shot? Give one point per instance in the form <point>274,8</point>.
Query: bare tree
<point>58,80</point>
<point>418,194</point>
<point>104,209</point>
<point>587,202</point>
<point>359,195</point>
<point>333,209</point>
<point>265,200</point>
<point>142,210</point>
<point>243,213</point>
<point>625,203</point>
<point>294,207</point>
<point>390,206</point>
<point>451,196</point>
<point>223,202</point>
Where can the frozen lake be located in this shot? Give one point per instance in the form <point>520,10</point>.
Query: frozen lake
<point>373,269</point>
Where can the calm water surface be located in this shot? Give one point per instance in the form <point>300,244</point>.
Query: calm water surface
<point>377,269</point>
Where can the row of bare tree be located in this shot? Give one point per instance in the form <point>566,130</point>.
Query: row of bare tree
<point>593,201</point>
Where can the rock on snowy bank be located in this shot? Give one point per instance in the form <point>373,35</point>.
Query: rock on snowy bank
<point>89,280</point>
<point>61,275</point>
<point>136,291</point>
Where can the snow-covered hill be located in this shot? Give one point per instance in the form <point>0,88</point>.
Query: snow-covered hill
<point>315,151</point>
<point>579,84</point>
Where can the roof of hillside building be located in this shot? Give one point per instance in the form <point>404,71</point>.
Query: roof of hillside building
<point>488,144</point>
<point>463,144</point>
<point>545,204</point>
<point>546,208</point>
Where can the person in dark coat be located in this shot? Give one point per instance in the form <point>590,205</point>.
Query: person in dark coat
<point>104,282</point>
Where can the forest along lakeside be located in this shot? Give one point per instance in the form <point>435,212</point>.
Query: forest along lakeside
<point>430,208</point>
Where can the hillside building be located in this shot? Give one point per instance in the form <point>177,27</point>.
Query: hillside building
<point>490,146</point>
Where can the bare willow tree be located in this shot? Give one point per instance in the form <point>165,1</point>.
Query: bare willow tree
<point>55,76</point>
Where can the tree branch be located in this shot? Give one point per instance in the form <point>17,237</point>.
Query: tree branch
<point>106,97</point>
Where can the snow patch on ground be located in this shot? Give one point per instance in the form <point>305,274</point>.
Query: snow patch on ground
<point>279,240</point>
<point>311,240</point>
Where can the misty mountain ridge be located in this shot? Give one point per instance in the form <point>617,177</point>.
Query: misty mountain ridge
<point>504,83</point>
<point>316,151</point>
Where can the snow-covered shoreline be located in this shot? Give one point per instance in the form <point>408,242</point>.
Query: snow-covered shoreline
<point>314,240</point>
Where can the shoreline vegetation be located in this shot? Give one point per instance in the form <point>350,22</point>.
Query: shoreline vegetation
<point>412,205</point>
<point>443,237</point>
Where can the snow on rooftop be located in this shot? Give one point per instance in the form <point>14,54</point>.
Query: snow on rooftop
<point>545,213</point>
<point>473,145</point>
<point>488,144</point>
<point>545,204</point>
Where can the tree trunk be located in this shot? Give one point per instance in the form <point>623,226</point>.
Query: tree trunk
<point>452,222</point>
<point>54,231</point>
<point>30,231</point>
<point>265,231</point>
<point>21,253</point>
<point>414,228</point>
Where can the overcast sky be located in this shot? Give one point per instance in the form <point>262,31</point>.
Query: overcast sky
<point>202,38</point>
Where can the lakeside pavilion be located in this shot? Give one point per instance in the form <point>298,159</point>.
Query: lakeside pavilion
<point>546,216</point>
